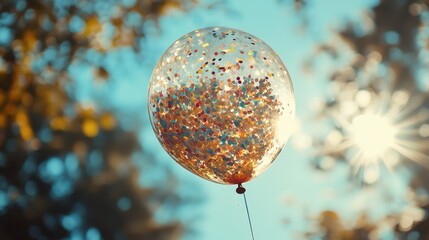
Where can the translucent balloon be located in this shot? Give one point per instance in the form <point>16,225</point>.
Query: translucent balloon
<point>221,103</point>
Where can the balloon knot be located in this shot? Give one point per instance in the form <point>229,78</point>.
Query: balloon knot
<point>240,189</point>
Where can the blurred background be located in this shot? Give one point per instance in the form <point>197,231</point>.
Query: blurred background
<point>79,160</point>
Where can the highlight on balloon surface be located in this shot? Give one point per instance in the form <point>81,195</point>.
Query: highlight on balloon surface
<point>221,103</point>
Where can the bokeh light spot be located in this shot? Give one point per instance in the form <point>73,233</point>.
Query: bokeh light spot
<point>424,130</point>
<point>71,164</point>
<point>124,203</point>
<point>95,162</point>
<point>391,37</point>
<point>363,98</point>
<point>61,188</point>
<point>51,169</point>
<point>31,188</point>
<point>71,221</point>
<point>108,121</point>
<point>4,200</point>
<point>90,127</point>
<point>93,234</point>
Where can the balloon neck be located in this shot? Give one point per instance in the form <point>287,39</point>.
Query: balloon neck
<point>240,189</point>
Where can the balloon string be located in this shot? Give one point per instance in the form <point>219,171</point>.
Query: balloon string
<point>248,216</point>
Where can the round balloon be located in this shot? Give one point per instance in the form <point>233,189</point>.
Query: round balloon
<point>221,103</point>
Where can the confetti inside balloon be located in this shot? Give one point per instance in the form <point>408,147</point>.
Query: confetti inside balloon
<point>221,103</point>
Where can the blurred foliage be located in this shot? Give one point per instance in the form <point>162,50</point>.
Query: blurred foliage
<point>386,72</point>
<point>68,169</point>
<point>331,227</point>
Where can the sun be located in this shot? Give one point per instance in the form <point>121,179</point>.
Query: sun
<point>389,127</point>
<point>373,134</point>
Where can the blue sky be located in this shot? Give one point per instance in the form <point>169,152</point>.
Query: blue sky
<point>282,199</point>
